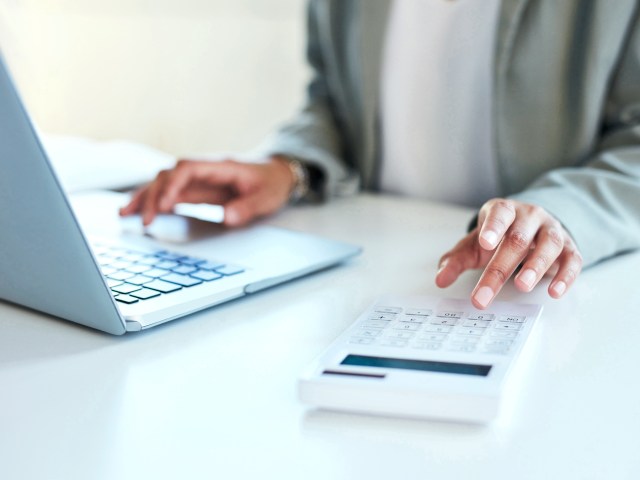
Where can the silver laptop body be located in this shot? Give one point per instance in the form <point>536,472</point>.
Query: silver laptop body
<point>47,262</point>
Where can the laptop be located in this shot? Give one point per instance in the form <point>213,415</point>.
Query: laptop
<point>103,275</point>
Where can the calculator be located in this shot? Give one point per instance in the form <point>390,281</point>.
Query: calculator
<point>419,356</point>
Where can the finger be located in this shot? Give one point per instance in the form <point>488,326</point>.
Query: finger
<point>241,210</point>
<point>204,194</point>
<point>512,250</point>
<point>463,256</point>
<point>499,216</point>
<point>227,174</point>
<point>134,202</point>
<point>184,173</point>
<point>549,245</point>
<point>149,208</point>
<point>569,267</point>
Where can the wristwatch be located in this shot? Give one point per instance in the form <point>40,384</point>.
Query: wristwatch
<point>300,179</point>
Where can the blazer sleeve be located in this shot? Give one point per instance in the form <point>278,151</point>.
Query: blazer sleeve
<point>313,136</point>
<point>599,202</point>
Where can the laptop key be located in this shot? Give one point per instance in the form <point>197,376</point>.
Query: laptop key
<point>183,280</point>
<point>145,293</point>
<point>156,273</point>
<point>126,299</point>
<point>120,275</point>
<point>169,256</point>
<point>184,269</point>
<point>167,265</point>
<point>210,265</point>
<point>139,280</point>
<point>163,287</point>
<point>125,288</point>
<point>138,268</point>
<point>149,260</point>
<point>230,270</point>
<point>206,275</point>
<point>191,261</point>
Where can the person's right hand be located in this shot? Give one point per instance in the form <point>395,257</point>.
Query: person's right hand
<point>246,190</point>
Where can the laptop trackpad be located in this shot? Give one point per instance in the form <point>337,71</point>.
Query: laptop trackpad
<point>98,215</point>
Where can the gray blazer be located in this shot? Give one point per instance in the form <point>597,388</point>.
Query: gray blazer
<point>566,109</point>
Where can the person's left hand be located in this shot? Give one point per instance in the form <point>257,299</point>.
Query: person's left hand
<point>510,233</point>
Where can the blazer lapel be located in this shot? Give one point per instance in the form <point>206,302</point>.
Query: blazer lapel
<point>372,27</point>
<point>511,14</point>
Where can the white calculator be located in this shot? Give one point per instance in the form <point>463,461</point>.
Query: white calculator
<point>422,357</point>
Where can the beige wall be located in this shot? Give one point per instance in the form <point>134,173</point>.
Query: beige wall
<point>185,76</point>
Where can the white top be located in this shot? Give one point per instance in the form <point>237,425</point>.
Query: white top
<point>436,100</point>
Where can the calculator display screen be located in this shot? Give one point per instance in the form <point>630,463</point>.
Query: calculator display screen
<point>423,365</point>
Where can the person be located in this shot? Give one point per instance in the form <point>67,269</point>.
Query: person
<point>526,109</point>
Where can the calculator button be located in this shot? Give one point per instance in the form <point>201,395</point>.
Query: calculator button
<point>499,342</point>
<point>399,334</point>
<point>383,316</point>
<point>419,312</point>
<point>504,334</point>
<point>496,350</point>
<point>450,314</point>
<point>361,341</point>
<point>406,326</point>
<point>512,319</point>
<point>427,345</point>
<point>462,348</point>
<point>465,339</point>
<point>470,331</point>
<point>374,324</point>
<point>508,326</point>
<point>476,323</point>
<point>438,328</point>
<point>383,309</point>
<point>444,321</point>
<point>433,337</point>
<point>393,342</point>
<point>482,316</point>
<point>367,332</point>
<point>412,319</point>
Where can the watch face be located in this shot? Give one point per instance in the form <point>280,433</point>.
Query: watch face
<point>300,180</point>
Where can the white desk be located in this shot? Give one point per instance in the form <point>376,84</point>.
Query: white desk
<point>213,395</point>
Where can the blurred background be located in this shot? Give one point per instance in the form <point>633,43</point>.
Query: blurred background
<point>182,76</point>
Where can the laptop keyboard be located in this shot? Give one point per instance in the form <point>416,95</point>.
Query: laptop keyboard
<point>135,275</point>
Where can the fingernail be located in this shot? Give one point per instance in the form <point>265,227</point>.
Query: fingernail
<point>490,237</point>
<point>230,216</point>
<point>443,265</point>
<point>483,296</point>
<point>528,277</point>
<point>559,288</point>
